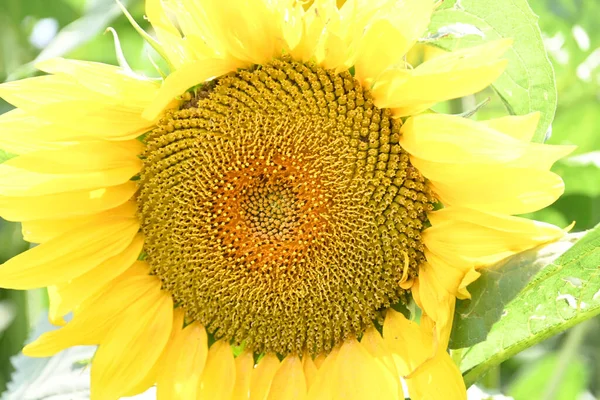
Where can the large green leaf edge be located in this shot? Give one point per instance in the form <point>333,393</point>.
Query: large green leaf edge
<point>528,84</point>
<point>561,295</point>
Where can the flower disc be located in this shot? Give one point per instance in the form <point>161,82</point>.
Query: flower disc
<point>279,209</point>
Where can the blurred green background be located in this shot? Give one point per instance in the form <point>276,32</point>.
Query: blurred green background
<point>566,367</point>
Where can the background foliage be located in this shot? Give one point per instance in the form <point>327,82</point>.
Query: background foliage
<point>563,367</point>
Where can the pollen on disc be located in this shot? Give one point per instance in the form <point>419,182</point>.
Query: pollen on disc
<point>279,209</point>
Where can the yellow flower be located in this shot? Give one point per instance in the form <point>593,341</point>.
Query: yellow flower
<point>273,195</point>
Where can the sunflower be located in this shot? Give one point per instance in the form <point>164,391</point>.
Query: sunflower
<point>253,225</point>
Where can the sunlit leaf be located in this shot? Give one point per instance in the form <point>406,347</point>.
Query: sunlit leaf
<point>581,173</point>
<point>528,82</point>
<point>578,123</point>
<point>496,288</point>
<point>563,293</point>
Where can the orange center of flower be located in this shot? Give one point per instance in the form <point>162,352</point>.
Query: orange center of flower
<point>279,209</point>
<point>270,212</point>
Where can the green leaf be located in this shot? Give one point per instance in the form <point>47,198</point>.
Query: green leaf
<point>563,293</point>
<point>532,383</point>
<point>581,173</point>
<point>528,83</point>
<point>496,288</point>
<point>577,123</point>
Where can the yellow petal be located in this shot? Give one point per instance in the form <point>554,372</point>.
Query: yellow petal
<point>453,278</point>
<point>257,36</point>
<point>406,339</point>
<point>65,205</point>
<point>156,14</point>
<point>53,303</point>
<point>293,26</point>
<point>63,101</point>
<point>310,369</point>
<point>169,37</point>
<point>335,53</point>
<point>448,76</point>
<point>373,342</point>
<point>262,377</point>
<point>218,377</point>
<point>412,17</point>
<point>377,51</point>
<point>244,364</point>
<point>289,382</point>
<point>323,386</point>
<point>152,376</point>
<point>344,28</point>
<point>85,156</point>
<point>422,52</point>
<point>449,172</point>
<point>471,238</point>
<point>21,133</point>
<point>183,363</point>
<point>42,230</point>
<point>358,373</point>
<point>91,324</point>
<point>312,24</point>
<point>539,232</point>
<point>97,120</point>
<point>19,182</point>
<point>199,28</point>
<point>439,378</point>
<point>108,80</point>
<point>461,157</point>
<point>132,347</point>
<point>452,139</point>
<point>520,127</point>
<point>87,165</point>
<point>436,302</point>
<point>479,56</point>
<point>146,383</point>
<point>320,359</point>
<point>178,82</point>
<point>70,295</point>
<point>31,94</point>
<point>508,191</point>
<point>69,255</point>
<point>393,31</point>
<point>438,142</point>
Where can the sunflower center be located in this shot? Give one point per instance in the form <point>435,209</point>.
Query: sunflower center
<point>269,211</point>
<point>279,209</point>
